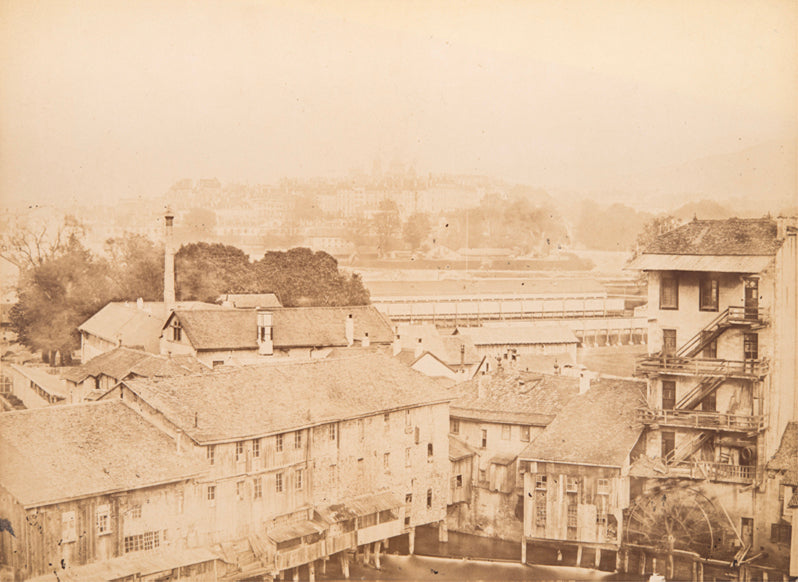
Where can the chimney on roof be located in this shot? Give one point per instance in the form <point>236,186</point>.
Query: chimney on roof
<point>366,340</point>
<point>350,330</point>
<point>265,333</point>
<point>419,348</point>
<point>169,260</point>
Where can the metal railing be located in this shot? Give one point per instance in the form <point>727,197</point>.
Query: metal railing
<point>682,366</point>
<point>701,419</point>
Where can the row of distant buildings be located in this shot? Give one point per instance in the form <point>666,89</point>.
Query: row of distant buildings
<point>280,440</point>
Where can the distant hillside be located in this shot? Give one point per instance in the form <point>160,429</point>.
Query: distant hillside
<point>748,182</point>
<point>703,210</point>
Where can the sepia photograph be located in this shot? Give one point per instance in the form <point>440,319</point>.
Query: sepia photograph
<point>422,290</point>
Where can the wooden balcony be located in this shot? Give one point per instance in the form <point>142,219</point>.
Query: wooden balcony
<point>299,556</point>
<point>341,542</point>
<point>700,419</point>
<point>718,472</point>
<point>379,532</point>
<point>682,366</point>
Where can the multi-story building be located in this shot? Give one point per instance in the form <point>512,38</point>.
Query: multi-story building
<point>721,367</point>
<point>307,459</point>
<point>94,483</point>
<point>494,417</point>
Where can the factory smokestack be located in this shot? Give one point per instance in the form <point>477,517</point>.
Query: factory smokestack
<point>169,260</point>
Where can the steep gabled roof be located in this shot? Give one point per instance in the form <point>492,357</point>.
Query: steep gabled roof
<point>594,428</point>
<point>120,362</point>
<point>62,452</point>
<point>734,236</point>
<point>233,329</point>
<point>459,450</point>
<point>251,401</point>
<point>514,397</point>
<point>786,456</point>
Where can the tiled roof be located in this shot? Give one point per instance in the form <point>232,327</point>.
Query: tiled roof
<point>595,428</point>
<point>519,334</point>
<point>458,449</point>
<point>734,236</point>
<point>786,456</point>
<point>251,300</point>
<point>134,326</point>
<point>61,452</point>
<point>50,383</point>
<point>232,329</point>
<point>514,397</point>
<point>452,287</point>
<point>444,347</point>
<point>250,401</point>
<point>120,362</point>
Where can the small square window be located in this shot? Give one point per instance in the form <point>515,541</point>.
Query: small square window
<point>257,488</point>
<point>256,448</point>
<point>572,485</point>
<point>525,433</point>
<point>103,519</point>
<point>298,484</point>
<point>454,426</point>
<point>540,482</point>
<point>211,494</point>
<point>278,443</point>
<point>458,481</point>
<point>603,486</point>
<point>135,512</point>
<point>210,453</point>
<point>298,439</point>
<point>239,450</point>
<point>278,482</point>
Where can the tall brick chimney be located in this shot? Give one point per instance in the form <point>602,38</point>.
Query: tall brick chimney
<point>169,261</point>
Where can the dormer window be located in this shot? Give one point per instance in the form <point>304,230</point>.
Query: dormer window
<point>177,331</point>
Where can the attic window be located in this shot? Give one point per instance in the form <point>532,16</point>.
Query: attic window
<point>177,331</point>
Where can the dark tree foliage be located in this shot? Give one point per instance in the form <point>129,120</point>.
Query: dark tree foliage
<point>136,267</point>
<point>651,230</point>
<point>416,229</point>
<point>301,277</point>
<point>203,271</point>
<point>58,295</point>
<point>387,225</point>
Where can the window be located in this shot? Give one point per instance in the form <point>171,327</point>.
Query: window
<point>540,482</point>
<point>750,346</point>
<point>708,295</point>
<point>668,342</point>
<point>506,432</point>
<point>429,450</point>
<point>454,426</point>
<point>668,444</point>
<point>135,512</point>
<point>332,432</point>
<point>147,541</point>
<point>603,487</point>
<point>386,417</point>
<point>210,453</point>
<point>418,435</point>
<point>668,394</point>
<point>408,498</point>
<point>278,482</point>
<point>429,498</point>
<point>407,417</point>
<point>386,461</point>
<point>298,480</point>
<point>540,512</point>
<point>458,481</point>
<point>525,433</point>
<point>103,519</point>
<point>407,457</point>
<point>257,488</point>
<point>484,438</point>
<point>572,515</point>
<point>669,292</point>
<point>256,448</point>
<point>278,443</point>
<point>217,363</point>
<point>572,484</point>
<point>239,450</point>
<point>211,495</point>
<point>298,439</point>
<point>483,475</point>
<point>177,332</point>
<point>710,402</point>
<point>780,533</point>
<point>240,490</point>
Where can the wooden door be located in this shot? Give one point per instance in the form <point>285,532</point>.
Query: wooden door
<point>751,298</point>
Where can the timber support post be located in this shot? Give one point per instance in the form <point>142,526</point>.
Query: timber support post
<point>523,550</point>
<point>411,541</point>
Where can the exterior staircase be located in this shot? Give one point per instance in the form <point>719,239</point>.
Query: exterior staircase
<point>704,388</point>
<point>683,451</point>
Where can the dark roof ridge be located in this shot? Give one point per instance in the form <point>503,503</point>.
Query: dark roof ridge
<point>56,407</point>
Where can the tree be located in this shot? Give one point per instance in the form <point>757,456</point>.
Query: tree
<point>136,267</point>
<point>301,277</point>
<point>416,229</point>
<point>652,229</point>
<point>387,225</point>
<point>203,271</point>
<point>33,241</point>
<point>56,296</point>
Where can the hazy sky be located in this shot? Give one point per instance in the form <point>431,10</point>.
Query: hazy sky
<point>106,99</point>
